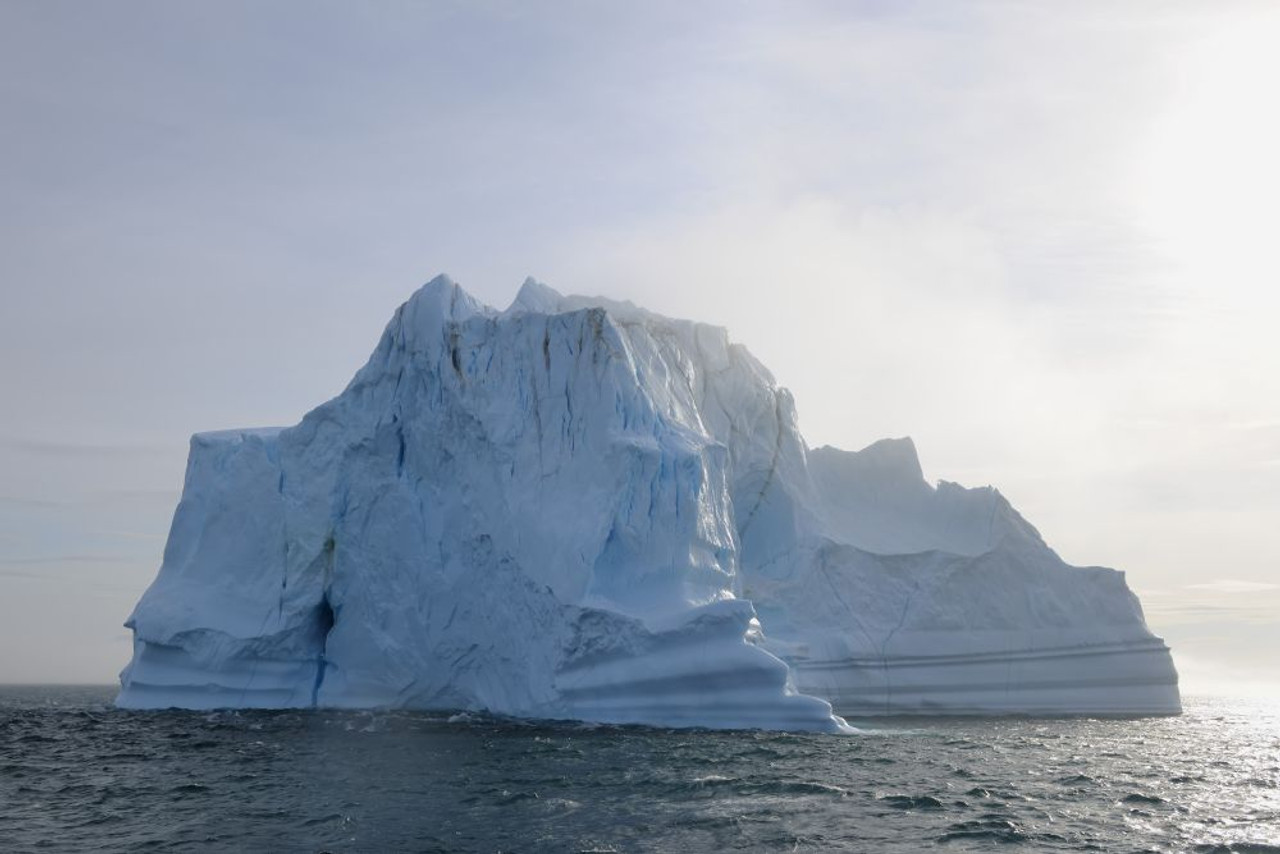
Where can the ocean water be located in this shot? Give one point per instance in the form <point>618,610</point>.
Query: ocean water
<point>78,775</point>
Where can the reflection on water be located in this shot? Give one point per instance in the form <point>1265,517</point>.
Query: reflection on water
<point>75,774</point>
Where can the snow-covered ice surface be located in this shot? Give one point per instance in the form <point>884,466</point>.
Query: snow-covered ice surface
<point>578,509</point>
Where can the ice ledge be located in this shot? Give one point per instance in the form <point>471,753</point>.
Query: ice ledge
<point>210,437</point>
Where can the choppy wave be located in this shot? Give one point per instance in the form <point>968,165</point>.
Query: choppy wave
<point>77,774</point>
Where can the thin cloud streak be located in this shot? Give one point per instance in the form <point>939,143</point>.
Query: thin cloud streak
<point>62,450</point>
<point>1231,585</point>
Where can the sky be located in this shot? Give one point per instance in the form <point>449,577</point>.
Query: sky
<point>1037,238</point>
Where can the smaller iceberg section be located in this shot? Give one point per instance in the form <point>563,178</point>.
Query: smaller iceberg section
<point>905,598</point>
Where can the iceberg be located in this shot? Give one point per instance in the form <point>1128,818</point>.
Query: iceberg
<point>579,509</point>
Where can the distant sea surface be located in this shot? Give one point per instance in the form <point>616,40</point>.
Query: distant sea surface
<point>78,775</point>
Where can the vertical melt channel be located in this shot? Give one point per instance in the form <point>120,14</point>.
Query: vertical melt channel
<point>324,624</point>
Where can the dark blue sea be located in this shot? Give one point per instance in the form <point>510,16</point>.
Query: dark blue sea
<point>78,775</point>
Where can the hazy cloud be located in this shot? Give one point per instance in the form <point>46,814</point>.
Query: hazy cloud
<point>1229,585</point>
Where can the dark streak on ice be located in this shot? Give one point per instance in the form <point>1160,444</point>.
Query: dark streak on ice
<point>324,625</point>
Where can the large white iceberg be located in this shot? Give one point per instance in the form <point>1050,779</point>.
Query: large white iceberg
<point>578,509</point>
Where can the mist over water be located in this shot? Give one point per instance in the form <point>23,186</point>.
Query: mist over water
<point>77,774</point>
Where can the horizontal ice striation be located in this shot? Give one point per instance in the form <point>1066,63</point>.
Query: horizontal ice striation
<point>575,508</point>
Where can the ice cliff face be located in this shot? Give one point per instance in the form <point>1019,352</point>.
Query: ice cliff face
<point>578,509</point>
